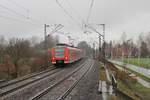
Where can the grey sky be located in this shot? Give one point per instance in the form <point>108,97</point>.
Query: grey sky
<point>130,16</point>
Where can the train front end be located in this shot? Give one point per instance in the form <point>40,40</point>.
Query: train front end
<point>59,55</point>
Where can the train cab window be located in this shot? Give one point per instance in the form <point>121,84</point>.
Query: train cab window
<point>59,52</point>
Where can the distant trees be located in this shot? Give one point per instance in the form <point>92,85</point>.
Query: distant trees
<point>108,49</point>
<point>21,56</point>
<point>144,50</point>
<point>50,42</point>
<point>143,44</point>
<point>86,48</point>
<point>39,63</point>
<point>18,49</point>
<point>2,49</point>
<point>127,48</point>
<point>148,41</point>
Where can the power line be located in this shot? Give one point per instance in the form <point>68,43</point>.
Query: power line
<point>13,11</point>
<point>14,19</point>
<point>15,3</point>
<point>19,14</point>
<point>67,13</point>
<point>90,10</point>
<point>10,18</point>
<point>79,16</point>
<point>26,9</point>
<point>35,20</point>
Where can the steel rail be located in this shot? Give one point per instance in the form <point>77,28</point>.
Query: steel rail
<point>45,91</point>
<point>62,97</point>
<point>28,83</point>
<point>25,78</point>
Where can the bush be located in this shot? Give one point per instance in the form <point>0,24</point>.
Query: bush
<point>133,80</point>
<point>121,74</point>
<point>40,63</point>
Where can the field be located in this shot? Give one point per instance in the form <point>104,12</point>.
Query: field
<point>140,75</point>
<point>142,62</point>
<point>135,87</point>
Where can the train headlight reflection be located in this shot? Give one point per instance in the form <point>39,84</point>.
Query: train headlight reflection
<point>66,57</point>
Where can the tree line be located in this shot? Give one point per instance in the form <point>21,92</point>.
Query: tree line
<point>128,47</point>
<point>20,56</point>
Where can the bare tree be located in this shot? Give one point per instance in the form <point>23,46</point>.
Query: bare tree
<point>144,49</point>
<point>34,40</point>
<point>2,49</point>
<point>86,48</point>
<point>18,49</point>
<point>148,42</point>
<point>123,37</point>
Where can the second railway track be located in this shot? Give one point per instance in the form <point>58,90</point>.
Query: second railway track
<point>18,84</point>
<point>74,77</point>
<point>29,90</point>
<point>24,78</point>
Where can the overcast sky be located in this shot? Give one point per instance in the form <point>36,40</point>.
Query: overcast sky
<point>130,16</point>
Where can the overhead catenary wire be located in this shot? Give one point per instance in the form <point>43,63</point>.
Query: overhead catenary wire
<point>67,13</point>
<point>19,14</point>
<point>90,11</point>
<point>20,6</point>
<point>17,20</point>
<point>78,15</point>
<point>13,11</point>
<point>27,11</point>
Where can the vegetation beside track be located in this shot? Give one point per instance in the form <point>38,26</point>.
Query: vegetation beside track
<point>143,62</point>
<point>25,67</point>
<point>137,74</point>
<point>125,84</point>
<point>135,87</point>
<point>103,76</point>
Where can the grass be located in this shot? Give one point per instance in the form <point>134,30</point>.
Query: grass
<point>139,75</point>
<point>139,89</point>
<point>142,91</point>
<point>103,76</point>
<point>131,88</point>
<point>126,90</point>
<point>143,62</point>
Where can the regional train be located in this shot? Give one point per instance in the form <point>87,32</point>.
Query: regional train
<point>63,54</point>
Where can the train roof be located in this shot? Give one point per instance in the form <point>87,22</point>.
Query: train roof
<point>62,44</point>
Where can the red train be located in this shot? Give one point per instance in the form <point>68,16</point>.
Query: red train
<point>63,53</point>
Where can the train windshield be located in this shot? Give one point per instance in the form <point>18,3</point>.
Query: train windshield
<point>59,52</point>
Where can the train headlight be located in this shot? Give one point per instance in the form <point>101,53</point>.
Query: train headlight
<point>53,58</point>
<point>66,57</point>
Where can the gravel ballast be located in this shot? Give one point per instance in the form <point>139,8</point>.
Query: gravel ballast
<point>87,89</point>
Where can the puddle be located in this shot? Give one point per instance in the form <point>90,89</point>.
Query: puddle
<point>104,96</point>
<point>110,90</point>
<point>105,89</point>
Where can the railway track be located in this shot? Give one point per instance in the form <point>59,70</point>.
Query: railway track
<point>8,88</point>
<point>62,97</point>
<point>85,67</point>
<point>24,78</point>
<point>25,91</point>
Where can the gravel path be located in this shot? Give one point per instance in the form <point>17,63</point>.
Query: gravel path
<point>143,71</point>
<point>140,80</point>
<point>87,89</point>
